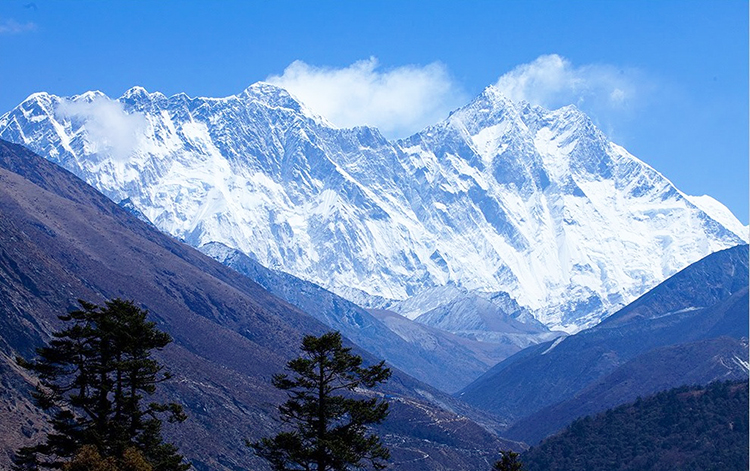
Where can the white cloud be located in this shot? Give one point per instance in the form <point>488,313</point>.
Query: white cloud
<point>110,130</point>
<point>398,101</point>
<point>552,81</point>
<point>13,27</point>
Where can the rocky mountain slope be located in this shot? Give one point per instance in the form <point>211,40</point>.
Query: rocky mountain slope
<point>61,240</point>
<point>692,328</point>
<point>501,200</point>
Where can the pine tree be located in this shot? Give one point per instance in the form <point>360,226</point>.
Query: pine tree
<point>329,422</point>
<point>93,378</point>
<point>508,462</point>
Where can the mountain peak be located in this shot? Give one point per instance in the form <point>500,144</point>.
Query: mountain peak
<point>271,95</point>
<point>89,96</point>
<point>38,96</point>
<point>492,101</point>
<point>136,91</point>
<point>494,95</point>
<point>276,97</point>
<point>265,88</point>
<point>492,106</point>
<point>501,197</point>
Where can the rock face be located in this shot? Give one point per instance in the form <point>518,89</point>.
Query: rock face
<point>690,329</point>
<point>501,200</point>
<point>61,240</point>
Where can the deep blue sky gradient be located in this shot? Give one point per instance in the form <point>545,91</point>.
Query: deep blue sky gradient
<point>692,54</point>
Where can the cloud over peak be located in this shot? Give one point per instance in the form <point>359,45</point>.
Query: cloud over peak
<point>110,130</point>
<point>553,81</point>
<point>398,101</point>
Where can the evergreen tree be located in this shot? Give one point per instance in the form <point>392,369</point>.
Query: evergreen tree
<point>89,459</point>
<point>508,462</point>
<point>328,421</point>
<point>93,377</point>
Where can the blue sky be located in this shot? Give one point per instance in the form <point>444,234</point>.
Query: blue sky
<point>666,79</point>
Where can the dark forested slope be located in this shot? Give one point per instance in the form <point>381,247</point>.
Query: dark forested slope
<point>700,428</point>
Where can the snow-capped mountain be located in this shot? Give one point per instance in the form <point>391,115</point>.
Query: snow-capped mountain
<point>502,200</point>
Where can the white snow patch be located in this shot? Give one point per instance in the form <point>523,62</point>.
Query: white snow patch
<point>720,214</point>
<point>557,342</point>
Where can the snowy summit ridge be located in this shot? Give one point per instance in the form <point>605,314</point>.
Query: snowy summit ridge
<point>501,197</point>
